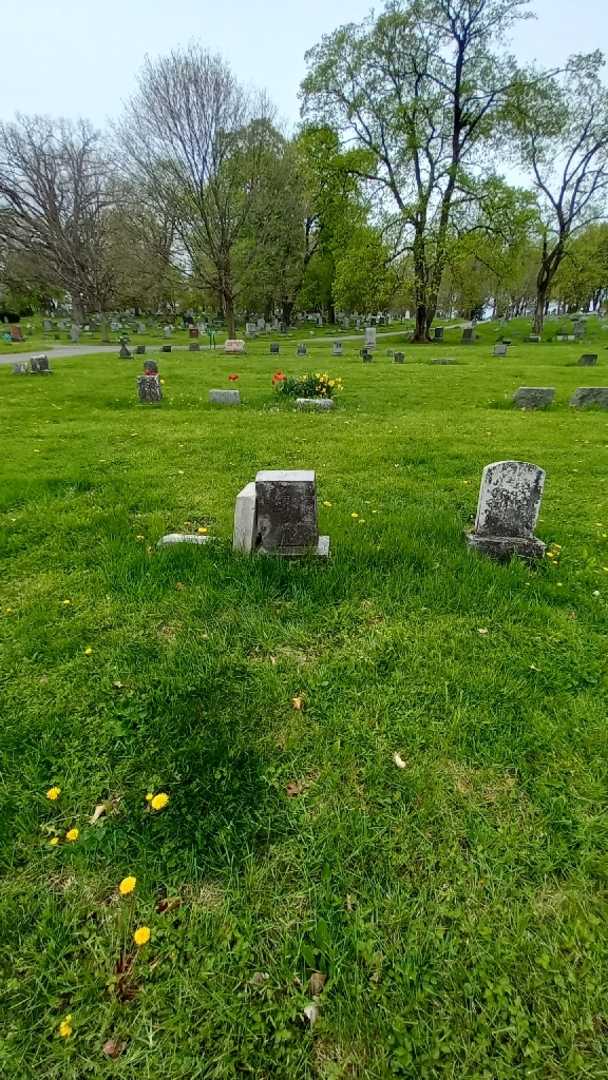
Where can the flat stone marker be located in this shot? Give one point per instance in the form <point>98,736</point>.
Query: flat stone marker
<point>274,348</point>
<point>588,360</point>
<point>194,346</point>
<point>286,511</point>
<point>398,358</point>
<point>444,360</point>
<point>182,538</point>
<point>370,336</point>
<point>149,390</point>
<point>39,365</point>
<point>245,523</point>
<point>508,508</point>
<point>438,333</point>
<point>165,348</point>
<point>140,350</point>
<point>301,350</point>
<point>336,348</point>
<point>533,338</point>
<point>468,335</point>
<point>590,395</point>
<point>224,397</point>
<point>315,404</point>
<point>534,397</point>
<point>500,349</point>
<point>150,367</point>
<point>234,345</point>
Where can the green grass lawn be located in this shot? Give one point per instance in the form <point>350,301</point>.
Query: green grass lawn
<point>456,905</point>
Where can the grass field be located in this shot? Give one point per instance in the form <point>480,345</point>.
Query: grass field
<point>456,905</point>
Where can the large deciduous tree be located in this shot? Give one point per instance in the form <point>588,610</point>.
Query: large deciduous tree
<point>55,191</point>
<point>198,141</point>
<point>421,88</point>
<point>561,129</point>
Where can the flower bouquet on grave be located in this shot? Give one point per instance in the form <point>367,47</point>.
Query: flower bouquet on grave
<point>309,385</point>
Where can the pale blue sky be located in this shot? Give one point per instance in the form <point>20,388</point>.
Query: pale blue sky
<point>79,57</point>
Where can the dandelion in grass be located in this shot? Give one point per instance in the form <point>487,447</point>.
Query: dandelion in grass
<point>328,504</point>
<point>354,515</point>
<point>127,885</point>
<point>72,835</point>
<point>141,935</point>
<point>159,801</point>
<point>88,651</point>
<point>202,531</point>
<point>66,603</point>
<point>53,793</point>
<point>54,841</point>
<point>65,1028</point>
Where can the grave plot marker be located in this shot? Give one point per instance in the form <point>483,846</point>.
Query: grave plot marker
<point>278,515</point>
<point>507,511</point>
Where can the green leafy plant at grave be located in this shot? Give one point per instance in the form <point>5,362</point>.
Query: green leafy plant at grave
<point>309,385</point>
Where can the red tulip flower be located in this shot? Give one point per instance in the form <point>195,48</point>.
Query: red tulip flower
<point>233,378</point>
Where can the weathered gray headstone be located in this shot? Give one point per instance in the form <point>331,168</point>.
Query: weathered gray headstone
<point>301,351</point>
<point>125,354</point>
<point>534,397</point>
<point>579,330</point>
<point>588,360</point>
<point>286,511</point>
<point>590,395</point>
<point>367,355</point>
<point>140,350</point>
<point>468,335</point>
<point>194,346</point>
<point>274,348</point>
<point>224,397</point>
<point>39,365</point>
<point>508,508</point>
<point>167,331</point>
<point>149,389</point>
<point>75,333</point>
<point>315,404</point>
<point>398,358</point>
<point>438,333</point>
<point>444,360</point>
<point>165,348</point>
<point>47,325</point>
<point>370,336</point>
<point>21,367</point>
<point>150,367</point>
<point>141,328</point>
<point>336,348</point>
<point>534,338</point>
<point>500,349</point>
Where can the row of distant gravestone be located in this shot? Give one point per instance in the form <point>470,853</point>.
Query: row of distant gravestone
<point>277,514</point>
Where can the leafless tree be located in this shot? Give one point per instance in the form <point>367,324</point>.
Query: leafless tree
<point>54,195</point>
<point>197,140</point>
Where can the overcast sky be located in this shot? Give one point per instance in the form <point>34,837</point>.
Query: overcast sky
<point>79,57</point>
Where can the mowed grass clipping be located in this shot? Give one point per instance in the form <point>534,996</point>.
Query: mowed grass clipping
<point>453,897</point>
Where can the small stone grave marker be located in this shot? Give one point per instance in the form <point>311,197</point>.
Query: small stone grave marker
<point>398,358</point>
<point>301,350</point>
<point>367,355</point>
<point>444,360</point>
<point>224,397</point>
<point>167,331</point>
<point>438,333</point>
<point>150,367</point>
<point>508,508</point>
<point>194,346</point>
<point>468,335</point>
<point>274,348</point>
<point>193,331</point>
<point>336,348</point>
<point>315,404</point>
<point>500,349</point>
<point>165,348</point>
<point>125,354</point>
<point>590,395</point>
<point>370,336</point>
<point>39,365</point>
<point>140,350</point>
<point>75,333</point>
<point>234,345</point>
<point>588,360</point>
<point>149,389</point>
<point>534,397</point>
<point>278,514</point>
<point>21,367</point>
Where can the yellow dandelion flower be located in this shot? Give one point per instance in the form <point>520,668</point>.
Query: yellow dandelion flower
<point>140,537</point>
<point>127,885</point>
<point>88,651</point>
<point>149,796</point>
<point>354,514</point>
<point>202,531</point>
<point>65,1028</point>
<point>159,801</point>
<point>53,793</point>
<point>54,841</point>
<point>328,504</point>
<point>66,603</point>
<point>72,835</point>
<point>142,935</point>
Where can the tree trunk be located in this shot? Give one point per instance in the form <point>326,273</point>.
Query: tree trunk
<point>77,310</point>
<point>228,305</point>
<point>539,311</point>
<point>287,310</point>
<point>421,331</point>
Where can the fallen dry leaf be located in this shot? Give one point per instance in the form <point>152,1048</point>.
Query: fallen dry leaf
<point>483,631</point>
<point>100,810</point>
<point>294,787</point>
<point>399,762</point>
<point>168,903</point>
<point>113,1048</point>
<point>316,983</point>
<point>179,585</point>
<point>297,703</point>
<point>260,978</point>
<point>117,684</point>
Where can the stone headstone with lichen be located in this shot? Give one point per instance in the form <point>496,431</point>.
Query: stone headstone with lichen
<point>507,511</point>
